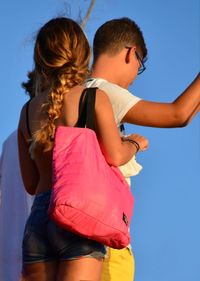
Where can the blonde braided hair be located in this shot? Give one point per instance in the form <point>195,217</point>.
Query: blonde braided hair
<point>61,57</point>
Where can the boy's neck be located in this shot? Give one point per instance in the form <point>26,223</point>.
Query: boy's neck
<point>109,70</point>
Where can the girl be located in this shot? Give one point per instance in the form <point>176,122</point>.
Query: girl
<point>61,57</point>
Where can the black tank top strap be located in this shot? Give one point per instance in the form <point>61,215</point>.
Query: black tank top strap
<point>27,119</point>
<point>87,108</point>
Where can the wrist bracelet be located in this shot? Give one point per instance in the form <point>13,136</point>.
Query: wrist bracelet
<point>136,144</point>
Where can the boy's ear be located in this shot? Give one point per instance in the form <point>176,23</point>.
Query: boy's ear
<point>129,53</point>
<point>127,56</point>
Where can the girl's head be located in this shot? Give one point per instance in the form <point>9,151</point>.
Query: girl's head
<point>61,59</point>
<point>61,52</point>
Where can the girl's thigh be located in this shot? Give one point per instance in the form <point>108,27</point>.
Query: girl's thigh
<point>80,269</point>
<point>44,271</point>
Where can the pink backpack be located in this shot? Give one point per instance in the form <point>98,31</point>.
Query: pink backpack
<point>89,197</point>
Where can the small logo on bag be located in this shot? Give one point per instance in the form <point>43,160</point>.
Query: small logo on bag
<point>125,219</point>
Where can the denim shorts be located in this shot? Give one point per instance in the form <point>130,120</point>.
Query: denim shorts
<point>45,241</point>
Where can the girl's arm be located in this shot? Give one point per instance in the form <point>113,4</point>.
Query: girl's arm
<point>116,151</point>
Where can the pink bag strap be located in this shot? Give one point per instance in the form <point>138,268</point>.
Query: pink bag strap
<point>87,108</point>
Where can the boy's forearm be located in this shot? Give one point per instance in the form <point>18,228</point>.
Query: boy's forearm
<point>190,98</point>
<point>188,103</point>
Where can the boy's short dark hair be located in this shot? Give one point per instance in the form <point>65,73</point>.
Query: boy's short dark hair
<point>114,35</point>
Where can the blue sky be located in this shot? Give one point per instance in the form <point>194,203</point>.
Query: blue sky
<point>165,227</point>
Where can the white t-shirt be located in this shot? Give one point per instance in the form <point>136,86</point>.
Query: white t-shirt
<point>122,101</point>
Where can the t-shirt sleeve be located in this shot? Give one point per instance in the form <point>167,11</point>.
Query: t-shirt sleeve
<point>121,99</point>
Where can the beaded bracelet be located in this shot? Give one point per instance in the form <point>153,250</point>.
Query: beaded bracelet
<point>136,144</point>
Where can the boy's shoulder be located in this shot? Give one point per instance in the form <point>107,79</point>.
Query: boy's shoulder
<point>105,85</point>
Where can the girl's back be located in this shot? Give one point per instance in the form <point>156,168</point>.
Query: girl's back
<point>68,117</point>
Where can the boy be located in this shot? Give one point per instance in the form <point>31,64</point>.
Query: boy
<point>119,56</point>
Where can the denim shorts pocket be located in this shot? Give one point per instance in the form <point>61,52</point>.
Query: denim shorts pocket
<point>37,220</point>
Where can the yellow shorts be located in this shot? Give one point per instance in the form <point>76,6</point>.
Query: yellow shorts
<point>119,265</point>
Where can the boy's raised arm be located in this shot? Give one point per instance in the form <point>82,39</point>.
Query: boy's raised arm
<point>167,115</point>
